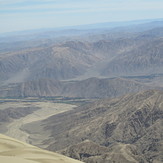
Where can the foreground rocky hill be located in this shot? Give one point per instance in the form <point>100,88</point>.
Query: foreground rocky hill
<point>126,129</point>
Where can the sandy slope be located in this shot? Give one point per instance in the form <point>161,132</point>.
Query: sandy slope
<point>14,151</point>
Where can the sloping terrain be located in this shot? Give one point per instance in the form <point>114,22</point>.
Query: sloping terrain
<point>43,63</point>
<point>145,59</point>
<point>14,151</point>
<point>15,114</point>
<point>129,128</point>
<point>90,152</point>
<point>89,88</point>
<point>40,69</point>
<point>61,61</point>
<point>134,54</point>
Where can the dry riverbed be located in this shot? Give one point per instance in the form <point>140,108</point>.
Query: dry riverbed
<point>47,109</point>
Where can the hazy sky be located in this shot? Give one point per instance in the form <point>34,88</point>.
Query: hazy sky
<point>31,14</point>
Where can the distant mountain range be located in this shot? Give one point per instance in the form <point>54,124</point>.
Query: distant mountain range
<point>105,25</point>
<point>89,88</point>
<point>131,55</point>
<point>134,50</point>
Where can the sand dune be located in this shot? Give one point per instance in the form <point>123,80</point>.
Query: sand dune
<point>15,151</point>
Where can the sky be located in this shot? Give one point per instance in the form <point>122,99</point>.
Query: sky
<point>18,15</point>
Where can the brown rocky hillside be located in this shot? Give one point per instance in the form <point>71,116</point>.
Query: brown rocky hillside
<point>127,129</point>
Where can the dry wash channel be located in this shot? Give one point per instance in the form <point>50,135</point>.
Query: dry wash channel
<point>21,113</point>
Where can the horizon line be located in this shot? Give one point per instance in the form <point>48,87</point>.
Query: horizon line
<point>69,27</point>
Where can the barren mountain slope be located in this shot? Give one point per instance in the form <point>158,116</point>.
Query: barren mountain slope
<point>135,54</point>
<point>89,88</point>
<point>44,62</point>
<point>131,124</point>
<point>145,59</point>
